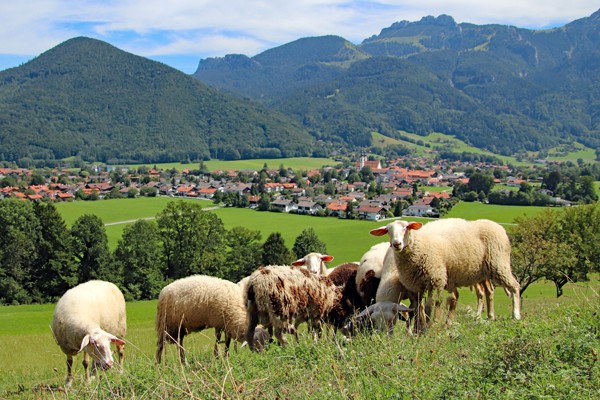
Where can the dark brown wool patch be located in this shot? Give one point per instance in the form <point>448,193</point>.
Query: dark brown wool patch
<point>305,272</point>
<point>276,303</point>
<point>264,270</point>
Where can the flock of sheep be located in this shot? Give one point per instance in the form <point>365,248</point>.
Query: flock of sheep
<point>417,262</point>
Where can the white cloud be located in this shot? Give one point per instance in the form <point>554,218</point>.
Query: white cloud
<point>217,27</point>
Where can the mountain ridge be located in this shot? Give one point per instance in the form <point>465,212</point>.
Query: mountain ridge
<point>533,89</point>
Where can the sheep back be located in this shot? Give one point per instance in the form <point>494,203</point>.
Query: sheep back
<point>199,302</point>
<point>90,305</point>
<point>277,294</point>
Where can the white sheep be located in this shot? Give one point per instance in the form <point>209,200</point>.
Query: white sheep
<point>455,255</point>
<point>199,302</point>
<point>314,262</point>
<point>277,295</point>
<point>369,272</point>
<point>379,316</point>
<point>89,317</point>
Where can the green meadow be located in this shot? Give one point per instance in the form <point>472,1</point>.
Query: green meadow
<point>345,239</point>
<point>549,354</point>
<point>295,163</point>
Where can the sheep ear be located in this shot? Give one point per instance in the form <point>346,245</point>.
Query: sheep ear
<point>85,342</point>
<point>379,231</point>
<point>299,263</point>
<point>414,226</point>
<point>116,341</point>
<point>327,258</point>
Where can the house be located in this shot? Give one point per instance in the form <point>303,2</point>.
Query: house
<point>371,212</point>
<point>337,208</point>
<point>308,207</point>
<point>419,211</point>
<point>283,205</point>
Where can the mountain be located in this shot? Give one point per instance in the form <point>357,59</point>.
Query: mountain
<point>89,99</point>
<point>496,87</point>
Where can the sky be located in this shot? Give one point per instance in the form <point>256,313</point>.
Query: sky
<point>181,32</point>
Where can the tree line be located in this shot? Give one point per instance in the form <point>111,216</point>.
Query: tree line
<point>40,258</point>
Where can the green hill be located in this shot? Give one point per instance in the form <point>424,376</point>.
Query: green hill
<point>87,98</point>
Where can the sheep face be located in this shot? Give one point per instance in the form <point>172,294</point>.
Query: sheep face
<point>97,345</point>
<point>313,262</point>
<point>398,232</point>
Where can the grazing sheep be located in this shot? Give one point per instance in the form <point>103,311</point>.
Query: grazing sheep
<point>199,302</point>
<point>276,295</point>
<point>314,262</point>
<point>379,316</point>
<point>458,254</point>
<point>90,317</point>
<point>369,272</point>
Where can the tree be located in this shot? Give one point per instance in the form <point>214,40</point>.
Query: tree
<point>560,247</point>
<point>55,270</point>
<point>90,249</point>
<point>274,251</point>
<point>245,252</point>
<point>308,242</point>
<point>194,240</point>
<point>578,232</point>
<point>480,182</point>
<point>535,249</point>
<point>139,253</point>
<point>19,236</point>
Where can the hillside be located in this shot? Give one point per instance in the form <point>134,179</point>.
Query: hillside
<point>500,88</point>
<point>89,99</point>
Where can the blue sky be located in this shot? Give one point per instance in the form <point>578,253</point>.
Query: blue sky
<point>181,32</point>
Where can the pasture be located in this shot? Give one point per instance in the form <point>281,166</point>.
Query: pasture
<point>295,163</point>
<point>550,353</point>
<point>345,239</point>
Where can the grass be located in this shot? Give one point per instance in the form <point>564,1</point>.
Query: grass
<point>550,353</point>
<point>498,213</point>
<point>345,239</point>
<point>295,163</point>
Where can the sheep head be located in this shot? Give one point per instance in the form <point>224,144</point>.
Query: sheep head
<point>398,231</point>
<point>314,262</point>
<point>97,345</point>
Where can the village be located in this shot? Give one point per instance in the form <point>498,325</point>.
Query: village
<point>420,188</point>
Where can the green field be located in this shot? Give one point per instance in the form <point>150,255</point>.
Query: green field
<point>345,239</point>
<point>552,332</point>
<point>451,143</point>
<point>548,354</point>
<point>295,163</point>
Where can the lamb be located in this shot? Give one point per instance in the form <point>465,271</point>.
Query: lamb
<point>314,262</point>
<point>276,295</point>
<point>198,302</point>
<point>89,317</point>
<point>379,316</point>
<point>455,254</point>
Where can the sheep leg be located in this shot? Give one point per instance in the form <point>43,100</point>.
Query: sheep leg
<point>218,337</point>
<point>452,300</point>
<point>69,379</point>
<point>86,363</point>
<point>181,348</point>
<point>489,299</point>
<point>121,353</point>
<point>227,343</point>
<point>279,335</point>
<point>480,291</point>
